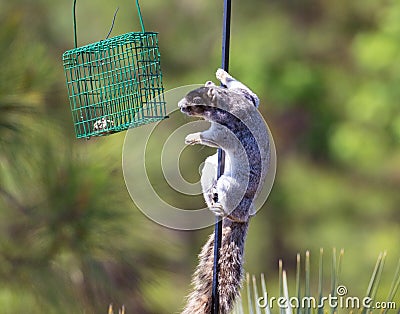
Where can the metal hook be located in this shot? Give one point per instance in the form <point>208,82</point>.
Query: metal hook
<point>112,25</point>
<point>140,15</point>
<point>74,21</point>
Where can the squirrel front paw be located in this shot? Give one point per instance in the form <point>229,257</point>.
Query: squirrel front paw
<point>218,209</point>
<point>215,205</point>
<point>193,139</point>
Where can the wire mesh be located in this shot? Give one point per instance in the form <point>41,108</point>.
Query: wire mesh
<point>115,84</point>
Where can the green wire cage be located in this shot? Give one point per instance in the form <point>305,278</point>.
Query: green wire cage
<point>114,84</point>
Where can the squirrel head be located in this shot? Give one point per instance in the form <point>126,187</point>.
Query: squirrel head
<point>199,101</point>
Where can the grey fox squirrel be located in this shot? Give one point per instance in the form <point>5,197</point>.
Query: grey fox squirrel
<point>238,128</point>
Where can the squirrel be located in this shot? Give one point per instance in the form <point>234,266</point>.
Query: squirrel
<point>239,129</point>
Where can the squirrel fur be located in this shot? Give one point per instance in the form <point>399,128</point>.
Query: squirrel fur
<point>239,129</point>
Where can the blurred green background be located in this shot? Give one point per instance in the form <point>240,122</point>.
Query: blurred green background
<point>328,75</point>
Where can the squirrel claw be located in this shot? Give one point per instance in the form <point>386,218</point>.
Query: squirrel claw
<point>222,75</point>
<point>218,210</point>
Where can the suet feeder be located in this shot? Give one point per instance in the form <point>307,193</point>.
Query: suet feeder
<point>114,84</point>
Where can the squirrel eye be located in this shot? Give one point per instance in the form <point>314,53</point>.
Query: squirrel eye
<point>197,100</point>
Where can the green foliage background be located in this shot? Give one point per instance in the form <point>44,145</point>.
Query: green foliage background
<point>328,74</point>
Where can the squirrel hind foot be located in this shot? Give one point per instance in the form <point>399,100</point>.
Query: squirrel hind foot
<point>222,76</point>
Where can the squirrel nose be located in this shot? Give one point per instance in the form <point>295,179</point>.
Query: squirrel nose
<point>182,103</point>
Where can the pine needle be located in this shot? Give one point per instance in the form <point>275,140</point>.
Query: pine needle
<point>250,304</point>
<point>394,286</point>
<point>255,293</point>
<point>320,280</point>
<point>298,272</point>
<point>307,292</point>
<point>265,295</point>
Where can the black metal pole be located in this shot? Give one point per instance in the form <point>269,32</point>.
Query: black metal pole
<point>226,30</point>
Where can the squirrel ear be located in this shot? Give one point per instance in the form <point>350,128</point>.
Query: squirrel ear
<point>209,84</point>
<point>211,94</point>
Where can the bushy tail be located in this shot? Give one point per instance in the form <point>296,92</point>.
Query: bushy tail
<point>230,271</point>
